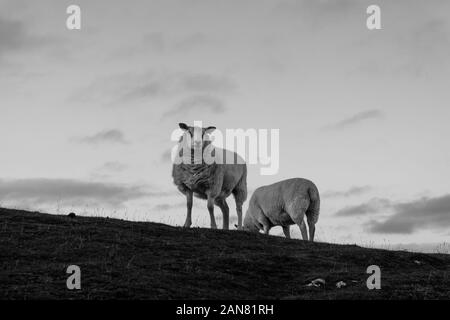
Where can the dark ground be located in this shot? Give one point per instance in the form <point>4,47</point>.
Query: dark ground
<point>135,260</point>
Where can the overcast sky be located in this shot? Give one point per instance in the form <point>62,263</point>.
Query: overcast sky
<point>86,116</point>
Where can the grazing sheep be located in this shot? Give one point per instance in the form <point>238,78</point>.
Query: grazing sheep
<point>213,182</point>
<point>282,204</point>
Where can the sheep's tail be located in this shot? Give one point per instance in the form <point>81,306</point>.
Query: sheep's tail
<point>313,211</point>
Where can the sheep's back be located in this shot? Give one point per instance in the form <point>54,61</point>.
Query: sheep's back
<point>278,195</point>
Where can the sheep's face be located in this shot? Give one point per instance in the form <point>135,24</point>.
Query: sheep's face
<point>247,228</point>
<point>248,225</point>
<point>196,136</point>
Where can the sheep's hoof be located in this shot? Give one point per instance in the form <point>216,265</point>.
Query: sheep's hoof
<point>213,226</point>
<point>187,225</point>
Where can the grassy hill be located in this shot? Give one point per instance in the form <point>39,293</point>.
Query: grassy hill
<point>135,260</point>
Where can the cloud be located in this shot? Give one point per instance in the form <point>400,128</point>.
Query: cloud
<point>167,206</point>
<point>12,35</point>
<point>418,48</point>
<point>353,191</point>
<point>163,43</point>
<point>163,207</point>
<point>106,136</point>
<point>50,191</point>
<point>197,103</point>
<point>110,167</point>
<point>317,14</point>
<point>122,89</point>
<point>155,41</point>
<point>170,85</point>
<point>177,205</point>
<point>140,92</point>
<point>201,82</point>
<point>15,37</point>
<point>405,217</point>
<point>356,119</point>
<point>416,215</point>
<point>166,156</point>
<point>108,170</point>
<point>190,41</point>
<point>375,205</point>
<point>428,47</point>
<point>113,166</point>
<point>316,7</point>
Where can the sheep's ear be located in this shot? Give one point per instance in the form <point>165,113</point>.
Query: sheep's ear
<point>183,126</point>
<point>210,129</point>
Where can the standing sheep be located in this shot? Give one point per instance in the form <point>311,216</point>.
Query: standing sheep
<point>282,204</point>
<point>213,182</point>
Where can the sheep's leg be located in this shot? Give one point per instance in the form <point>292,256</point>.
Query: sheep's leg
<point>240,194</point>
<point>312,229</point>
<point>298,219</point>
<point>296,211</point>
<point>239,214</point>
<point>303,230</point>
<point>225,212</point>
<point>286,232</point>
<point>210,206</point>
<point>189,202</point>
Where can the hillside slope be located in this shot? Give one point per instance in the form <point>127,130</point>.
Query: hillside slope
<point>136,260</point>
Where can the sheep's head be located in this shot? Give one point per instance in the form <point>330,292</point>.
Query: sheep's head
<point>198,137</point>
<point>247,228</point>
<point>250,224</point>
<point>242,228</point>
